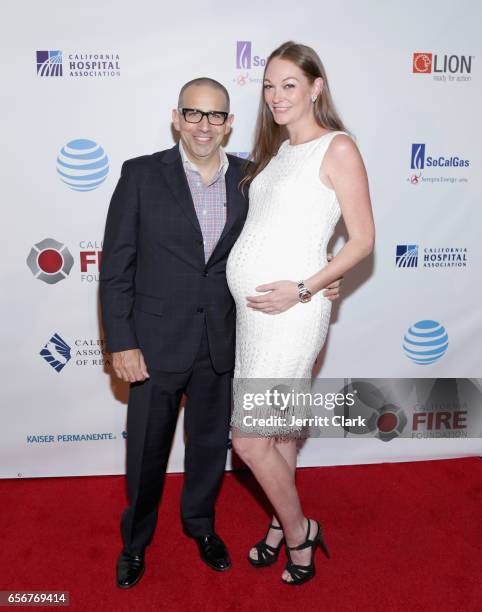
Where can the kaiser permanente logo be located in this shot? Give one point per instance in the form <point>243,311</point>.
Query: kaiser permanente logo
<point>246,61</point>
<point>443,67</point>
<point>70,437</point>
<point>51,64</point>
<point>407,256</point>
<point>445,165</point>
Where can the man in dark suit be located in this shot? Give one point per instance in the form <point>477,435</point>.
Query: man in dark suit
<point>169,318</point>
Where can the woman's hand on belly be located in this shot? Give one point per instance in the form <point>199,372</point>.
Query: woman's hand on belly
<point>278,297</point>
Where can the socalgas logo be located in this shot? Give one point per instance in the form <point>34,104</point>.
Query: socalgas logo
<point>450,168</point>
<point>82,165</point>
<point>443,67</point>
<point>249,66</point>
<point>407,256</point>
<point>51,64</point>
<point>425,342</point>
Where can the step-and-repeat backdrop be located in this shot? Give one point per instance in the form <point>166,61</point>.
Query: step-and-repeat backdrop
<point>87,86</point>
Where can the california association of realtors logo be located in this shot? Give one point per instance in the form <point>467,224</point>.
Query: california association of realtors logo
<point>50,261</point>
<point>50,64</point>
<point>246,60</point>
<point>421,160</point>
<point>407,256</point>
<point>425,342</point>
<point>443,67</point>
<point>56,352</point>
<point>82,164</point>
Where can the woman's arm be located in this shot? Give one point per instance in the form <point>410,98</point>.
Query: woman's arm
<point>344,171</point>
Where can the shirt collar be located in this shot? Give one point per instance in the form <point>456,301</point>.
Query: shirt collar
<point>189,165</point>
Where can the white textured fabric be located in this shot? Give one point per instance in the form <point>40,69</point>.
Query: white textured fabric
<point>291,218</point>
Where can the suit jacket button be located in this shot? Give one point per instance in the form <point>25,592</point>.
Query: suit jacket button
<point>205,273</point>
<point>200,242</point>
<point>200,310</point>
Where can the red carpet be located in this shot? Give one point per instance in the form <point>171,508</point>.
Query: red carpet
<point>403,536</point>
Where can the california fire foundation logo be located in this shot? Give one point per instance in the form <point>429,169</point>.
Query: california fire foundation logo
<point>50,261</point>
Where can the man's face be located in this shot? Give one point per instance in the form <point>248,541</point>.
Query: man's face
<point>201,141</point>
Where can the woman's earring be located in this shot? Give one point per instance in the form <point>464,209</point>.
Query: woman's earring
<point>313,98</point>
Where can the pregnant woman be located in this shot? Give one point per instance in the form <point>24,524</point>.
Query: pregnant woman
<point>306,172</point>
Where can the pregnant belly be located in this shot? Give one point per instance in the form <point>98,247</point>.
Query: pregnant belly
<point>254,263</point>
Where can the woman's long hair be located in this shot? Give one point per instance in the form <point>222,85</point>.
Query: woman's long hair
<point>269,134</point>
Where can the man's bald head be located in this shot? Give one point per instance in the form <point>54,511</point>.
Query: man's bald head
<point>205,81</point>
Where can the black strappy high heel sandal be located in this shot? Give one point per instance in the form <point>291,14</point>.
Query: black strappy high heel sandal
<point>302,573</point>
<point>267,555</point>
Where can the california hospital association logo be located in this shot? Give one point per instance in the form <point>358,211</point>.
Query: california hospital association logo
<point>248,65</point>
<point>78,64</point>
<point>49,63</point>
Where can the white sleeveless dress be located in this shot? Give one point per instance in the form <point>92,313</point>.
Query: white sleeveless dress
<point>291,218</point>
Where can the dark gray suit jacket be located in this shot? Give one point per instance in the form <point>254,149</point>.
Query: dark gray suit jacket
<point>155,287</point>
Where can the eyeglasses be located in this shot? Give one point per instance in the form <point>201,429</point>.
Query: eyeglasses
<point>193,115</point>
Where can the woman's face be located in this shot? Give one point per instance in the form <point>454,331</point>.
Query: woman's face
<point>287,92</point>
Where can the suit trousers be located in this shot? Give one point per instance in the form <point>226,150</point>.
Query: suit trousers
<point>151,422</point>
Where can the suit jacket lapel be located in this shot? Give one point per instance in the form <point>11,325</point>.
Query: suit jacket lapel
<point>177,181</point>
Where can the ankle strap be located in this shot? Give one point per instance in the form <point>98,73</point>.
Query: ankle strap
<point>276,527</point>
<point>306,543</point>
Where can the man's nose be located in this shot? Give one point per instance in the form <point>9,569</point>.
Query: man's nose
<point>204,124</point>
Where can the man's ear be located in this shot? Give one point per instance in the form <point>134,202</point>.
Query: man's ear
<point>229,123</point>
<point>176,119</point>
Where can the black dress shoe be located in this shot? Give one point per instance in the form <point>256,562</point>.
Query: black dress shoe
<point>214,552</point>
<point>130,569</point>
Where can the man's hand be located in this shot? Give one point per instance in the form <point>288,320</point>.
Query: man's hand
<point>129,365</point>
<point>332,292</point>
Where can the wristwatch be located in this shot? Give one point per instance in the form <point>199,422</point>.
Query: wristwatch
<point>304,294</point>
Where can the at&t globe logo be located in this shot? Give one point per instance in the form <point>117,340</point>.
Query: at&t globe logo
<point>425,342</point>
<point>82,165</point>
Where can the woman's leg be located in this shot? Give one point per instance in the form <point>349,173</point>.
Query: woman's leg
<point>277,480</point>
<point>289,451</point>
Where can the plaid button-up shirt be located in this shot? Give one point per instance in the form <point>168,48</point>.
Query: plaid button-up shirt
<point>209,200</point>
